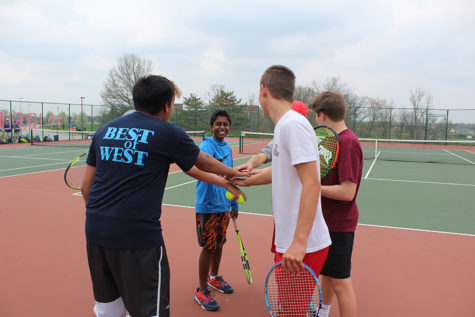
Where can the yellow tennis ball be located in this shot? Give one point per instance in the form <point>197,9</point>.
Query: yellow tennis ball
<point>240,200</point>
<point>229,195</point>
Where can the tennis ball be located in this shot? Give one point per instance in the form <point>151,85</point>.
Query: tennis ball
<point>230,196</point>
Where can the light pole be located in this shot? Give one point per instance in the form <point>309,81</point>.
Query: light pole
<point>21,98</point>
<point>82,114</point>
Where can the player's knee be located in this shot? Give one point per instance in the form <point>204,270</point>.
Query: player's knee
<point>341,286</point>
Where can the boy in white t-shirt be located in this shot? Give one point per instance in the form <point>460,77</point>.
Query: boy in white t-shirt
<point>301,235</point>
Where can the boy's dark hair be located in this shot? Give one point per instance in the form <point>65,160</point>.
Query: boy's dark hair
<point>331,103</point>
<point>219,113</point>
<point>280,81</point>
<point>151,93</point>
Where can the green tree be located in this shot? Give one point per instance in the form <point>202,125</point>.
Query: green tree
<point>192,113</point>
<point>227,100</point>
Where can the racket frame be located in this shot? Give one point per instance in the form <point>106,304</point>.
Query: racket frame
<point>244,260</point>
<point>74,161</point>
<point>337,154</point>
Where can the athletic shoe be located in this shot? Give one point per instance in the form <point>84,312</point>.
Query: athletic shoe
<point>205,300</point>
<point>220,285</point>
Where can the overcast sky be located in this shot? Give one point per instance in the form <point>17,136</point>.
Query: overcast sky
<point>62,50</point>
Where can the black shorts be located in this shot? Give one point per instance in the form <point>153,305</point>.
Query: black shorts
<point>140,277</point>
<point>211,229</point>
<point>338,263</point>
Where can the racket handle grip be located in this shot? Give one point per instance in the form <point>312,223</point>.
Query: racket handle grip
<point>235,223</point>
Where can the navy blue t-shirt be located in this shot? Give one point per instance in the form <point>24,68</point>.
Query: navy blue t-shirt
<point>132,156</point>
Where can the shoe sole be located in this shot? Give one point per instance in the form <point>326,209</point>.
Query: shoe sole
<point>198,302</point>
<point>219,290</point>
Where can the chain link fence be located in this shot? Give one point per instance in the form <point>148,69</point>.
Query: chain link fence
<point>367,122</point>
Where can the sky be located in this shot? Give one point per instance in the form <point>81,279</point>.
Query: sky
<point>62,50</point>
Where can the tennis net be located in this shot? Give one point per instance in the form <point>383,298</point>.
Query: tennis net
<point>196,136</point>
<point>461,152</point>
<point>80,139</point>
<point>253,142</point>
<point>424,151</point>
<point>44,137</point>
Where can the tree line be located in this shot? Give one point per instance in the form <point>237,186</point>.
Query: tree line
<point>369,117</point>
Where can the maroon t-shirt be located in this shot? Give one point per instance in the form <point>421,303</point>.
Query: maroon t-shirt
<point>342,216</point>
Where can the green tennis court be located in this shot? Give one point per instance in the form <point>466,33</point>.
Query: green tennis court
<point>432,190</point>
<point>45,218</point>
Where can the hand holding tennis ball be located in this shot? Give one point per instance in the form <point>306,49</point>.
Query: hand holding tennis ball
<point>230,196</point>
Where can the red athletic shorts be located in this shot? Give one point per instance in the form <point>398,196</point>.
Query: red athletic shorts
<point>314,260</point>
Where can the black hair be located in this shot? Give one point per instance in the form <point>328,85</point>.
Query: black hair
<point>219,113</point>
<point>152,93</point>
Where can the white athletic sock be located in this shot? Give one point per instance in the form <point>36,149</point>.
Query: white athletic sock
<point>212,277</point>
<point>324,311</point>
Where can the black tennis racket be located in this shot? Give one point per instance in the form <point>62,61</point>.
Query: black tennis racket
<point>245,262</point>
<point>292,294</point>
<point>329,148</point>
<point>74,173</point>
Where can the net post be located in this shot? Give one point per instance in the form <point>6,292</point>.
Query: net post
<point>241,142</point>
<point>376,148</point>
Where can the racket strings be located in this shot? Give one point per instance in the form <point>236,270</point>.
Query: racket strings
<point>75,173</point>
<point>292,294</point>
<point>328,147</point>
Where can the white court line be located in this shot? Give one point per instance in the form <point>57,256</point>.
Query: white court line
<point>52,170</point>
<point>359,224</point>
<point>421,182</point>
<point>459,156</point>
<point>179,185</point>
<point>29,167</point>
<point>35,158</point>
<point>47,153</point>
<point>371,167</point>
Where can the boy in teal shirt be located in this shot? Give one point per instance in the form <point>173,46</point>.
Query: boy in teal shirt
<point>212,215</point>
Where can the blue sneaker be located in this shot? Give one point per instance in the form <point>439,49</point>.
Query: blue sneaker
<point>205,300</point>
<point>220,285</point>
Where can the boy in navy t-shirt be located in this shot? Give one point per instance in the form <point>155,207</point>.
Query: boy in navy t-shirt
<point>212,215</point>
<point>123,186</point>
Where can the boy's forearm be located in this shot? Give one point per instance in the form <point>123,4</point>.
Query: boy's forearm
<point>209,164</point>
<point>260,179</point>
<point>345,191</point>
<point>209,178</point>
<point>257,160</point>
<point>307,212</point>
<point>87,182</point>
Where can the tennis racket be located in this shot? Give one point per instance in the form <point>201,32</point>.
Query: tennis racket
<point>74,173</point>
<point>329,148</point>
<point>292,294</point>
<point>245,262</point>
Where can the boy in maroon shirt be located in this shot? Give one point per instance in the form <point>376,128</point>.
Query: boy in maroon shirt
<point>339,207</point>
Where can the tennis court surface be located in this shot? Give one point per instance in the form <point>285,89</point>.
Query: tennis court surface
<point>414,249</point>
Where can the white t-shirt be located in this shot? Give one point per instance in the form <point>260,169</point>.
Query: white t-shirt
<point>294,143</point>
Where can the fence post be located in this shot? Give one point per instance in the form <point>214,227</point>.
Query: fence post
<point>390,121</point>
<point>11,121</point>
<point>92,116</point>
<point>447,124</point>
<point>69,121</point>
<point>427,124</point>
<point>258,115</point>
<point>42,121</point>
